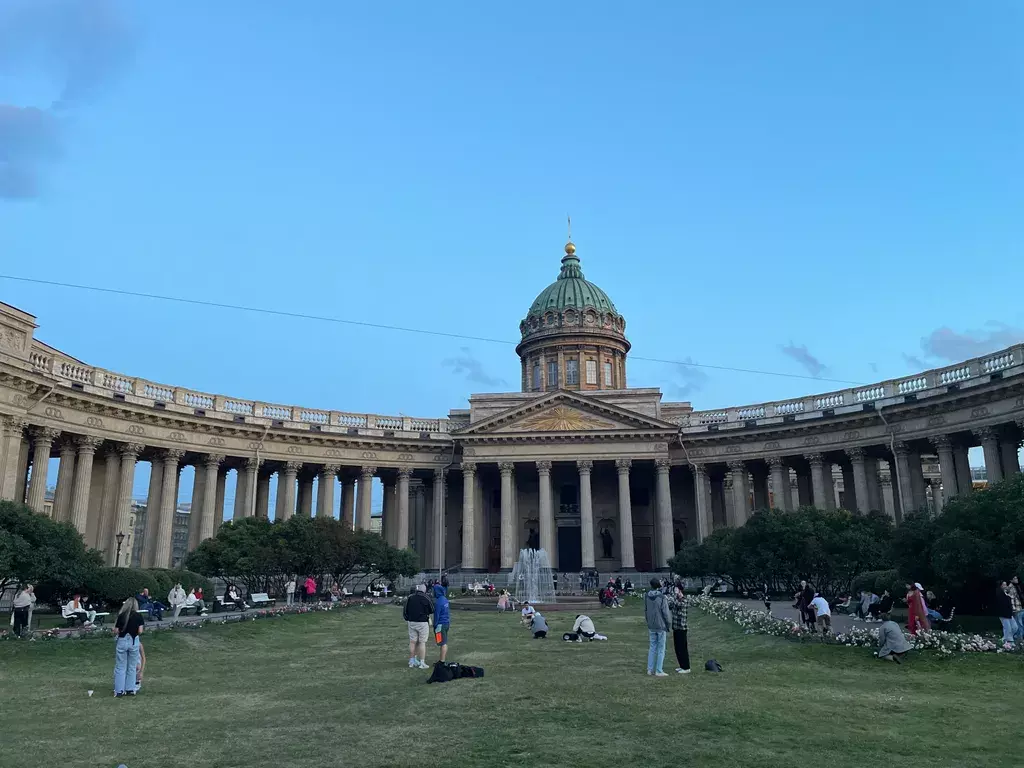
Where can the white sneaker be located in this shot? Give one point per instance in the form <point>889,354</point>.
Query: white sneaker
<point>682,671</point>
<point>422,665</point>
<point>661,674</point>
<point>413,663</point>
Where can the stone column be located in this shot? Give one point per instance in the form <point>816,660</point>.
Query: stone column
<point>738,470</point>
<point>65,479</point>
<point>83,481</point>
<point>989,440</point>
<point>195,515</point>
<point>508,541</point>
<point>828,480</point>
<point>325,490</point>
<point>817,462</point>
<point>585,467</point>
<point>248,479</point>
<point>1008,447</point>
<point>363,502</point>
<point>306,495</point>
<point>42,444</point>
<point>210,512</point>
<point>702,491</point>
<point>402,491</point>
<point>666,543</point>
<point>780,483</point>
<point>961,460</point>
<point>874,489</point>
<point>168,503</point>
<point>903,488</point>
<point>108,501</point>
<point>545,508</point>
<point>627,551</point>
<point>889,501</point>
<point>439,517</point>
<point>387,511</point>
<point>468,515</point>
<point>860,479</point>
<point>937,503</point>
<point>944,448</point>
<point>805,485</point>
<point>761,497</point>
<point>917,482</point>
<point>287,488</point>
<point>348,502</point>
<point>222,486</point>
<point>262,494</point>
<point>123,509</point>
<point>10,449</point>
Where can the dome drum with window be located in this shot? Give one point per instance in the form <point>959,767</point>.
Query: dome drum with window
<point>572,336</point>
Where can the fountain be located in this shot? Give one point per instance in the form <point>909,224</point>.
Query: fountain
<point>531,577</point>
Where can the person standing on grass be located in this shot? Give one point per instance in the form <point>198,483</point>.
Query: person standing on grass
<point>310,587</point>
<point>442,619</point>
<point>417,615</point>
<point>1004,610</point>
<point>659,619</point>
<point>917,618</point>
<point>677,606</point>
<point>23,602</point>
<point>822,613</point>
<point>127,627</point>
<point>289,590</point>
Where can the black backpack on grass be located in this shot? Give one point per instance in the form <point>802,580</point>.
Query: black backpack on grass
<point>446,671</point>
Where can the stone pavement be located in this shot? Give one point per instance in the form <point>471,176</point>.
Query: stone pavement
<point>784,609</point>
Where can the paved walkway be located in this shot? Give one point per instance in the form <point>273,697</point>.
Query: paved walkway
<point>784,609</point>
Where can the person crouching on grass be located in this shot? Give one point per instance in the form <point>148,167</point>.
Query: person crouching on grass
<point>538,626</point>
<point>822,613</point>
<point>442,619</point>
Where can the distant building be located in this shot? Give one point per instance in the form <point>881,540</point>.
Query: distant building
<point>179,535</point>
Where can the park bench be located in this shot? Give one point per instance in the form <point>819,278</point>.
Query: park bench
<point>73,619</point>
<point>261,599</point>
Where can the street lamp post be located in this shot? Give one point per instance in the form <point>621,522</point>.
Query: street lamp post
<point>120,539</point>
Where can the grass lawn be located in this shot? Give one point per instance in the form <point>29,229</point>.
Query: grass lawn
<point>334,689</point>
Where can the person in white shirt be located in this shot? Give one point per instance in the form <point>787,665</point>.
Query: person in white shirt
<point>191,601</point>
<point>75,609</point>
<point>584,628</point>
<point>822,613</point>
<point>528,611</point>
<point>289,591</point>
<point>176,599</point>
<point>22,609</point>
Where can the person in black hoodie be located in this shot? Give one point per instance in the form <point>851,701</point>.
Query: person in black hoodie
<point>417,615</point>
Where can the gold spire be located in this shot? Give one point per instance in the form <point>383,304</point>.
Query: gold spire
<point>569,247</point>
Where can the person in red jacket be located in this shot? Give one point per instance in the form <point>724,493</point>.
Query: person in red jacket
<point>310,587</point>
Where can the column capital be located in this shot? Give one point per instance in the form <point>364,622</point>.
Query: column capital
<point>737,466</point>
<point>13,422</point>
<point>111,452</point>
<point>506,467</point>
<point>699,469</point>
<point>130,450</point>
<point>584,466</point>
<point>941,442</point>
<point>662,465</point>
<point>856,454</point>
<point>88,443</point>
<point>404,473</point>
<point>253,463</point>
<point>985,433</point>
<point>291,466</point>
<point>330,470</point>
<point>468,468</point>
<point>543,467</point>
<point>623,465</point>
<point>901,449</point>
<point>213,460</point>
<point>67,445</point>
<point>44,434</point>
<point>774,461</point>
<point>172,455</point>
<point>1020,424</point>
<point>815,459</point>
<point>366,473</point>
<point>440,472</point>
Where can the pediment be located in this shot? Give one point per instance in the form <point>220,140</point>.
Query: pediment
<point>565,412</point>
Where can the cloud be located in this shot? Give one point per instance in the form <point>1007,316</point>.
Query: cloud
<point>685,380</point>
<point>469,366</point>
<point>950,346</point>
<point>801,354</point>
<point>78,45</point>
<point>873,367</point>
<point>915,362</point>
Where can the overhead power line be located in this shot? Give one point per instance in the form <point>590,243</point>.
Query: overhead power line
<point>384,326</point>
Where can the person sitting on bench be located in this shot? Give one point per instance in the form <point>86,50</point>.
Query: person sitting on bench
<point>75,609</point>
<point>192,600</point>
<point>882,607</point>
<point>232,596</point>
<point>146,603</point>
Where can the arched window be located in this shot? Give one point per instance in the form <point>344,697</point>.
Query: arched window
<point>536,377</point>
<point>572,372</point>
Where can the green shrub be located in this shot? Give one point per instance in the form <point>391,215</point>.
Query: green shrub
<point>114,585</point>
<point>879,581</point>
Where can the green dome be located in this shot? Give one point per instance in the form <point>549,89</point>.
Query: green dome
<point>571,290</point>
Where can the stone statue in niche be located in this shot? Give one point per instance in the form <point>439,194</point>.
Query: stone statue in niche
<point>533,539</point>
<point>607,542</point>
<point>677,538</point>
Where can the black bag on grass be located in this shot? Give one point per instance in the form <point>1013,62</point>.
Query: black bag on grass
<point>713,666</point>
<point>445,671</point>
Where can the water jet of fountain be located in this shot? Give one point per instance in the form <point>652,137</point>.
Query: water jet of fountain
<point>532,577</point>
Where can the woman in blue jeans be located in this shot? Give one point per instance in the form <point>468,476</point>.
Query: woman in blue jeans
<point>659,620</point>
<point>127,627</point>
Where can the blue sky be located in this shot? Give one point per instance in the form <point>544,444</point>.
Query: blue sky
<point>745,180</point>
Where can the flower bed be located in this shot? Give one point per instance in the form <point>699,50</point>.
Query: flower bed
<point>184,624</point>
<point>756,622</point>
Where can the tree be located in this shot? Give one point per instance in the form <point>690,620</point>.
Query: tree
<point>38,550</point>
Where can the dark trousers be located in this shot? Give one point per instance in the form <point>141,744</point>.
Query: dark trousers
<point>682,652</point>
<point>20,620</point>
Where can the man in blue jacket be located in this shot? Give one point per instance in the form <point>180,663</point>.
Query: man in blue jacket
<point>442,619</point>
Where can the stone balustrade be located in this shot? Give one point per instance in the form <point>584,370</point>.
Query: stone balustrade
<point>894,391</point>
